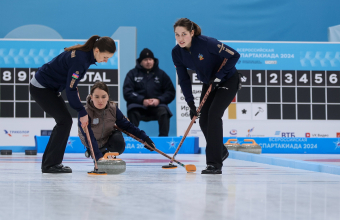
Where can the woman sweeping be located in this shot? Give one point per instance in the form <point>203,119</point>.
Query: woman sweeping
<point>64,72</point>
<point>205,55</point>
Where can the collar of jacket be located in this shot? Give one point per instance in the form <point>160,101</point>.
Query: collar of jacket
<point>91,58</point>
<point>196,40</point>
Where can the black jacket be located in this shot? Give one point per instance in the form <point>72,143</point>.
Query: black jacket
<point>205,56</point>
<point>141,84</point>
<point>64,72</point>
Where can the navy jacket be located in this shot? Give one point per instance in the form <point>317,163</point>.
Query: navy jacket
<point>141,84</point>
<point>205,56</point>
<point>65,71</point>
<point>121,122</point>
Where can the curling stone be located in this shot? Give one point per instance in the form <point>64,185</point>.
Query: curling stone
<point>232,146</point>
<point>6,152</point>
<point>111,164</point>
<point>252,147</point>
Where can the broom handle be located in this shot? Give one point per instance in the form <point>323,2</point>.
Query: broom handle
<point>91,148</point>
<point>143,142</point>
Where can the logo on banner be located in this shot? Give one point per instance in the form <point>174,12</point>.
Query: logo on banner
<point>244,111</point>
<point>285,134</point>
<point>70,143</point>
<point>6,132</point>
<point>23,133</point>
<point>338,134</point>
<point>308,134</point>
<point>233,132</point>
<point>249,131</point>
<point>172,144</point>
<point>337,144</point>
<point>319,135</point>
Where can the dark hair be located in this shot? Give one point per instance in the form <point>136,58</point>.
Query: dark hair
<point>189,25</point>
<point>104,44</point>
<point>100,85</point>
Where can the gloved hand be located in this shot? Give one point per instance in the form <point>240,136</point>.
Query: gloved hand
<point>215,83</point>
<point>193,111</point>
<point>149,142</point>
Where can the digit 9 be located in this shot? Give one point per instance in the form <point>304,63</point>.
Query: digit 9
<point>22,75</point>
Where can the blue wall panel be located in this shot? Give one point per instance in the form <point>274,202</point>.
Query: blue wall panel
<point>260,20</point>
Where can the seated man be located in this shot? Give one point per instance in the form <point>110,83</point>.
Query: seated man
<point>148,90</point>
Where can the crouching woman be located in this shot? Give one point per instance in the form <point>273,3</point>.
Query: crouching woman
<point>103,116</point>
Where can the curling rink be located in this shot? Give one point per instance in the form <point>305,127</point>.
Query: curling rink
<point>245,190</point>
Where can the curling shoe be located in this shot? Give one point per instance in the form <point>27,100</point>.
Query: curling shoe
<point>59,168</point>
<point>212,170</point>
<point>225,153</point>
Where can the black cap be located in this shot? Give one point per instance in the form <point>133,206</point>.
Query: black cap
<point>146,53</point>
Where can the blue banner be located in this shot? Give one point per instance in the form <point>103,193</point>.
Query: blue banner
<point>167,145</point>
<point>35,53</point>
<point>295,145</point>
<point>287,55</point>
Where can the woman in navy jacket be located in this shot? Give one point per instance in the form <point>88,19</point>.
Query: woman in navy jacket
<point>64,72</point>
<point>205,55</point>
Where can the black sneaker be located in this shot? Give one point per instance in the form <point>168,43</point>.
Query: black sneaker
<point>225,153</point>
<point>59,168</point>
<point>212,170</point>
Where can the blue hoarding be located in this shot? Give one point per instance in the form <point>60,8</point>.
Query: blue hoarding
<point>35,53</point>
<point>287,55</point>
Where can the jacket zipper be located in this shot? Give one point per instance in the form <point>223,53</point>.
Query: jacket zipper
<point>193,61</point>
<point>101,138</point>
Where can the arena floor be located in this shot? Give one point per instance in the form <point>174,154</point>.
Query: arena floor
<point>245,190</point>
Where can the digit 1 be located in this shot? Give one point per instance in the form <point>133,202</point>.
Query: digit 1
<point>259,77</point>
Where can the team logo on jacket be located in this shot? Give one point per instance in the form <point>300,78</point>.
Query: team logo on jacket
<point>157,79</point>
<point>138,78</point>
<point>75,76</point>
<point>200,56</point>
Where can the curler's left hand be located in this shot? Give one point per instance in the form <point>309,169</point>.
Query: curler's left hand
<point>149,142</point>
<point>84,121</point>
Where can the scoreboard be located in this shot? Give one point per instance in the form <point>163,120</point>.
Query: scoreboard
<point>289,89</point>
<point>16,101</point>
<point>293,94</point>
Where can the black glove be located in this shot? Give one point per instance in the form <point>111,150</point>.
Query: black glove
<point>149,142</point>
<point>192,107</point>
<point>215,83</point>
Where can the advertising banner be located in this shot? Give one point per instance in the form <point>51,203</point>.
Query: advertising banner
<point>167,145</point>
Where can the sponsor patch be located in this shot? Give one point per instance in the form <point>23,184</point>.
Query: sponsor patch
<point>221,46</point>
<point>73,53</point>
<point>95,121</point>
